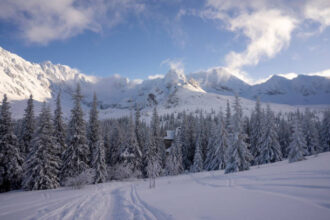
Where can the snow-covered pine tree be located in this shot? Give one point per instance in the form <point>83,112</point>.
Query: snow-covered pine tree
<point>198,160</point>
<point>42,167</point>
<point>139,129</point>
<point>28,128</point>
<point>269,147</point>
<point>237,154</point>
<point>311,133</point>
<point>202,125</point>
<point>210,152</point>
<point>297,147</point>
<point>228,117</point>
<point>156,137</point>
<point>256,130</point>
<point>219,145</point>
<point>96,145</point>
<point>10,157</point>
<point>131,155</point>
<point>59,127</point>
<point>246,130</point>
<point>76,158</point>
<point>153,160</point>
<point>172,121</point>
<point>188,139</point>
<point>325,131</point>
<point>107,145</point>
<point>116,141</point>
<point>284,134</point>
<point>174,164</point>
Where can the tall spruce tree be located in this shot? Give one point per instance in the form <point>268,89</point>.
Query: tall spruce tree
<point>311,133</point>
<point>297,147</point>
<point>174,164</point>
<point>325,131</point>
<point>216,157</point>
<point>28,127</point>
<point>238,155</point>
<point>139,129</point>
<point>10,157</point>
<point>284,134</point>
<point>96,145</point>
<point>131,154</point>
<point>188,138</point>
<point>202,125</point>
<point>269,146</point>
<point>107,145</point>
<point>210,152</point>
<point>59,127</point>
<point>256,130</point>
<point>41,169</point>
<point>156,137</point>
<point>198,159</point>
<point>76,157</point>
<point>153,160</point>
<point>116,141</point>
<point>228,116</point>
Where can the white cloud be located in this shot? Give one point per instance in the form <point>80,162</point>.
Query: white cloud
<point>324,73</point>
<point>157,76</point>
<point>174,64</point>
<point>269,32</point>
<point>268,26</point>
<point>268,29</point>
<point>318,10</point>
<point>42,21</point>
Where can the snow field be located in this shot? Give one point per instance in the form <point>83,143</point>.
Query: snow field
<point>281,190</point>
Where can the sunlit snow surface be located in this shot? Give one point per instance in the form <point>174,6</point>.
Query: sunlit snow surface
<point>298,190</point>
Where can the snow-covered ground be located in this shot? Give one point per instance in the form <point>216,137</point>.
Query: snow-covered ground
<point>281,190</point>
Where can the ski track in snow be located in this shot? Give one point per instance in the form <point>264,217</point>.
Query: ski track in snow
<point>293,186</point>
<point>91,206</point>
<point>131,206</point>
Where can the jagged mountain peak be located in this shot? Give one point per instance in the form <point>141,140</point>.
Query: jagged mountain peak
<point>175,77</point>
<point>219,80</point>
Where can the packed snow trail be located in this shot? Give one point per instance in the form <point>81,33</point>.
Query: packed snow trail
<point>281,190</point>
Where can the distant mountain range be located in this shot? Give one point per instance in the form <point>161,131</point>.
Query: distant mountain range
<point>174,92</point>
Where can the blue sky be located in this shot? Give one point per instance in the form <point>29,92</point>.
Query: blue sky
<point>252,39</point>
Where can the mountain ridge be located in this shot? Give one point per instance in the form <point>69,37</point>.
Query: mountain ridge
<point>175,91</point>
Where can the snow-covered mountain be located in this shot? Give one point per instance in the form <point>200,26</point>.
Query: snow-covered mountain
<point>302,90</point>
<point>175,92</point>
<point>220,81</point>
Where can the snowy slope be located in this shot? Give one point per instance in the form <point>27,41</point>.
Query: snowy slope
<point>175,92</point>
<point>20,78</point>
<point>301,90</point>
<point>275,191</point>
<point>220,81</point>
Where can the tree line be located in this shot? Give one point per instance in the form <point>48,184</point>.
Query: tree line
<point>45,152</point>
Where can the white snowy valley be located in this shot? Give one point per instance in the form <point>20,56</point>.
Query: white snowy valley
<point>280,190</point>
